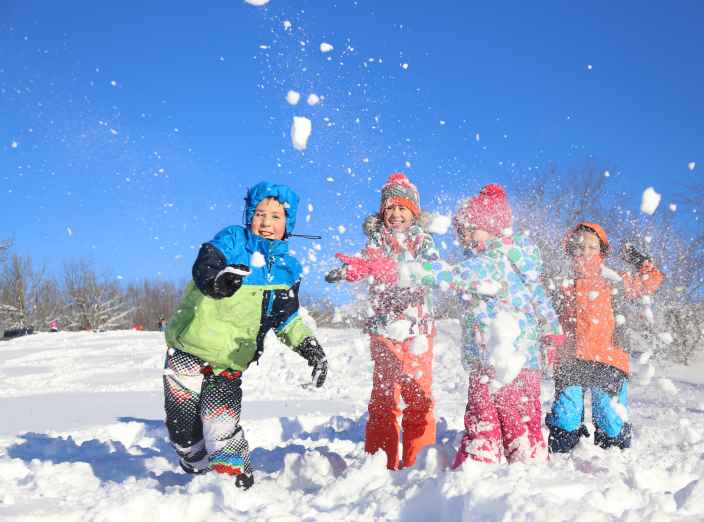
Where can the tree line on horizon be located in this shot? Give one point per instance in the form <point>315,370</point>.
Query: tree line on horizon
<point>82,299</point>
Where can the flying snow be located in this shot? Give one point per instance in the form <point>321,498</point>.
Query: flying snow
<point>404,66</point>
<point>439,224</point>
<point>287,25</point>
<point>313,99</point>
<point>257,3</point>
<point>257,260</point>
<point>292,97</point>
<point>650,201</point>
<point>326,47</point>
<point>691,165</point>
<point>14,145</point>
<point>300,132</point>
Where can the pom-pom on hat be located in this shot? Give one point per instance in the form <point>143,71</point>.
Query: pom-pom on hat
<point>489,210</point>
<point>398,190</point>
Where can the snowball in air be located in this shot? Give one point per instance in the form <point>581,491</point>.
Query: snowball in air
<point>300,132</point>
<point>14,144</point>
<point>326,47</point>
<point>292,97</point>
<point>313,99</point>
<point>650,201</point>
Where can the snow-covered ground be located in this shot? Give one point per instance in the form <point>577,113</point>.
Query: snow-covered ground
<point>82,438</point>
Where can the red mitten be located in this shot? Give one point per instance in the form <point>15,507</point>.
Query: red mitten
<point>383,269</point>
<point>357,267</point>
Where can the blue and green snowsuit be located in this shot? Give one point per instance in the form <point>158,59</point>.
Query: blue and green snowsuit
<point>226,335</point>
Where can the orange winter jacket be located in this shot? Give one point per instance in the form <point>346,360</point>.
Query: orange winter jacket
<point>586,309</point>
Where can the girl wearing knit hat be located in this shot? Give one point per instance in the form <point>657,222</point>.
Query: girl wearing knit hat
<point>506,321</point>
<point>401,328</point>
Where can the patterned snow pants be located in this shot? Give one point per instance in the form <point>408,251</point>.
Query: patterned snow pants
<point>203,416</point>
<point>504,425</point>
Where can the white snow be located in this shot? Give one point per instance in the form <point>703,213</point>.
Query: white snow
<point>326,47</point>
<point>673,207</point>
<point>691,165</point>
<point>313,99</point>
<point>300,132</point>
<point>502,332</point>
<point>649,201</point>
<point>287,25</point>
<point>341,229</point>
<point>69,231</point>
<point>257,3</point>
<point>257,260</point>
<point>439,224</point>
<point>82,438</point>
<point>14,145</point>
<point>404,66</point>
<point>292,97</point>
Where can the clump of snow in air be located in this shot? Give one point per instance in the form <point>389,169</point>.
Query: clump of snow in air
<point>502,331</point>
<point>313,99</point>
<point>607,173</point>
<point>589,67</point>
<point>257,260</point>
<point>310,207</point>
<point>300,132</point>
<point>649,201</point>
<point>69,232</point>
<point>341,229</point>
<point>326,47</point>
<point>404,66</point>
<point>477,137</point>
<point>672,207</point>
<point>257,3</point>
<point>113,83</point>
<point>287,25</point>
<point>439,224</point>
<point>691,165</point>
<point>292,97</point>
<point>14,145</point>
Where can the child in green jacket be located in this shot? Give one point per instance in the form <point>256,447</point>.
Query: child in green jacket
<point>245,283</point>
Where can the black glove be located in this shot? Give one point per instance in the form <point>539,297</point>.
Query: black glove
<point>335,275</point>
<point>312,352</point>
<point>229,280</point>
<point>630,254</point>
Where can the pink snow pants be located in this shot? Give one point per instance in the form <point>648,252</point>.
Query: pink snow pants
<point>504,425</point>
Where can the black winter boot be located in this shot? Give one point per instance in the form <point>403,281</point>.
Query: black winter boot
<point>186,466</point>
<point>244,481</point>
<point>623,440</point>
<point>562,441</point>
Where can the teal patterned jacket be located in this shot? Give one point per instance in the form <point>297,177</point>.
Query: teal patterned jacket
<point>504,276</point>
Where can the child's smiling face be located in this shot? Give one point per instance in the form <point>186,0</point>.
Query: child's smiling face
<point>585,245</point>
<point>398,218</point>
<point>269,219</point>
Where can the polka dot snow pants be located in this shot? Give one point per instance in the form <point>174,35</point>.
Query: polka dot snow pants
<point>203,417</point>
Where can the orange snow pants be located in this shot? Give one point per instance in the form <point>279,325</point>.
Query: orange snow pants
<point>401,369</point>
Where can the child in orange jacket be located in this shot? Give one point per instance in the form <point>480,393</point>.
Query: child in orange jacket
<point>590,359</point>
<point>401,328</point>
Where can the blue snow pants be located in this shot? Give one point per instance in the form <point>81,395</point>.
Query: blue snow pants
<point>609,393</point>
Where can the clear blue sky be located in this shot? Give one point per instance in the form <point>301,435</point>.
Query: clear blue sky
<point>136,174</point>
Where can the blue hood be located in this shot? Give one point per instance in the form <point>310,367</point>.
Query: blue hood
<point>281,193</point>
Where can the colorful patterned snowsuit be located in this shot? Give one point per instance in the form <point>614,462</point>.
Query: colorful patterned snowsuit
<point>502,419</point>
<point>401,330</point>
<point>590,358</point>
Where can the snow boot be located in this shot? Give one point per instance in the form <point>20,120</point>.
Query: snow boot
<point>244,481</point>
<point>562,441</point>
<point>188,468</point>
<point>623,440</point>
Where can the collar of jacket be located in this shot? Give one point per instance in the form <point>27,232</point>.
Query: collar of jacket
<point>267,247</point>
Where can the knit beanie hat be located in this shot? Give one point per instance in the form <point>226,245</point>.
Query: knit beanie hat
<point>489,210</point>
<point>398,190</point>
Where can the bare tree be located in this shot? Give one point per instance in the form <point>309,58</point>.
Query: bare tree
<point>93,303</point>
<point>152,301</point>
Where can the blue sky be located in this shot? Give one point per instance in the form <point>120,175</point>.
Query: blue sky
<point>129,131</point>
